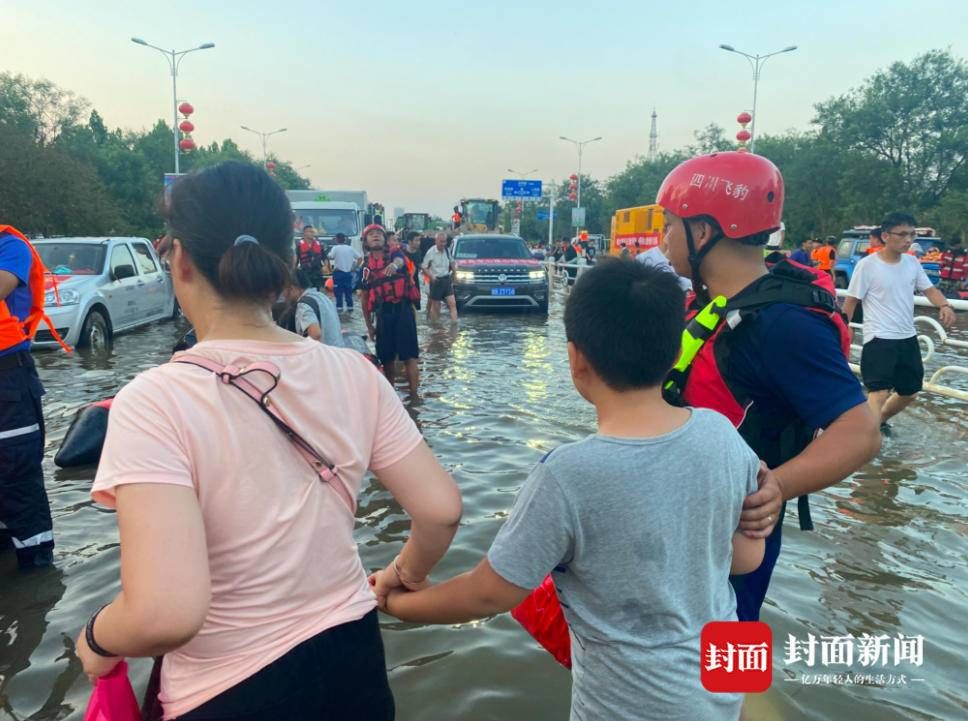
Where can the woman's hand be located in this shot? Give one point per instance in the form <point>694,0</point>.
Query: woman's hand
<point>94,665</point>
<point>388,580</point>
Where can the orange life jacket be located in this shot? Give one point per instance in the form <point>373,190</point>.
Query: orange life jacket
<point>13,331</point>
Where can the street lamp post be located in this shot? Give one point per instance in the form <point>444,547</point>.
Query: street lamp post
<point>580,144</point>
<point>265,140</point>
<point>174,59</point>
<point>756,63</point>
<point>522,175</point>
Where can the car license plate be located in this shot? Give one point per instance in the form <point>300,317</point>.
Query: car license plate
<point>502,291</point>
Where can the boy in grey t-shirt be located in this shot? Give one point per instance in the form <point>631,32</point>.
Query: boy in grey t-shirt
<point>637,524</point>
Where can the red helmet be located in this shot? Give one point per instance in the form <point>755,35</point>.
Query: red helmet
<point>372,227</point>
<point>741,191</point>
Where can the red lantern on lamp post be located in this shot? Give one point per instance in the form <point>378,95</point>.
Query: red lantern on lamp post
<point>271,166</point>
<point>186,126</point>
<point>743,135</point>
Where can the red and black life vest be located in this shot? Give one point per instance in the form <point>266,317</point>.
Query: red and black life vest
<point>309,253</point>
<point>390,289</point>
<point>702,379</point>
<point>954,266</point>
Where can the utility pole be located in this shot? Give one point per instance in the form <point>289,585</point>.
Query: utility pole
<point>653,137</point>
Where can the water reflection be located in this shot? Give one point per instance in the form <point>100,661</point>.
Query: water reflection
<point>887,556</point>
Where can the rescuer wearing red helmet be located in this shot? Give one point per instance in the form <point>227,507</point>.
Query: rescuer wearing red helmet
<point>778,368</point>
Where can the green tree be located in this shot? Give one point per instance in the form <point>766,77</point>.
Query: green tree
<point>950,217</point>
<point>45,190</point>
<point>912,116</point>
<point>38,108</point>
<point>710,139</point>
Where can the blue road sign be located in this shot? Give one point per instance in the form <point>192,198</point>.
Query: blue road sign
<point>521,189</point>
<point>543,215</point>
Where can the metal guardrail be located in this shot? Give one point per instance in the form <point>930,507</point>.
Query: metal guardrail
<point>558,271</point>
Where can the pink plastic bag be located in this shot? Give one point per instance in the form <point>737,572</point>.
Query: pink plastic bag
<point>113,698</point>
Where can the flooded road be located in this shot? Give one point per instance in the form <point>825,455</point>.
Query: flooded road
<point>888,555</point>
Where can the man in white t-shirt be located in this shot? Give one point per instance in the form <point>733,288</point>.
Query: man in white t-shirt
<point>345,259</point>
<point>439,265</point>
<point>885,284</point>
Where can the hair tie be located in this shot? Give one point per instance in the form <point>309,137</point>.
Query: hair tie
<point>245,239</point>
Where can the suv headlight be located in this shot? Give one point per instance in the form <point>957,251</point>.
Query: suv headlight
<point>465,275</point>
<point>67,297</point>
<point>536,274</point>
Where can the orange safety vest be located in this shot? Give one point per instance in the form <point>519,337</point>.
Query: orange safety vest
<point>823,258</point>
<point>13,331</point>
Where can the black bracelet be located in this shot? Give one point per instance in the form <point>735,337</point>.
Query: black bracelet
<point>89,636</point>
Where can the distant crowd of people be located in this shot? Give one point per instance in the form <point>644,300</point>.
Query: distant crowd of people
<point>236,468</point>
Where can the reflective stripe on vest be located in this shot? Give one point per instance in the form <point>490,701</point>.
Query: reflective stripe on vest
<point>699,329</point>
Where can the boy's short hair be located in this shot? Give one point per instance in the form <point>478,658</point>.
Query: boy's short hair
<point>627,319</point>
<point>892,220</point>
<point>340,238</point>
<point>300,279</point>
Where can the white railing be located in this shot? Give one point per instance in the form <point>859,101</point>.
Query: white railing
<point>558,272</point>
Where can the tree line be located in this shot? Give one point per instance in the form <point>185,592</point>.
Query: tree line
<point>64,172</point>
<point>899,141</point>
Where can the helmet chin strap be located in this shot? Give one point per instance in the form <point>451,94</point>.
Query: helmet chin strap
<point>696,257</point>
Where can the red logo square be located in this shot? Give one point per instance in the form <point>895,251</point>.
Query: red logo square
<point>736,657</point>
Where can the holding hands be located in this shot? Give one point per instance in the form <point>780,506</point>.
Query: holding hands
<point>393,581</point>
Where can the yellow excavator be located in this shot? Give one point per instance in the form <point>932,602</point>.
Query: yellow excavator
<point>479,215</point>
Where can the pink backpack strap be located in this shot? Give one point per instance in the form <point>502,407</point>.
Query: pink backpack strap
<point>237,377</point>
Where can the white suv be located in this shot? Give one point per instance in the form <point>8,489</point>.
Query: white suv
<point>103,286</point>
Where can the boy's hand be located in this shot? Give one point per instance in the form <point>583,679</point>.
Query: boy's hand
<point>762,509</point>
<point>387,580</point>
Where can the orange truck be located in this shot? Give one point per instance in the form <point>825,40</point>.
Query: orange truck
<point>636,230</point>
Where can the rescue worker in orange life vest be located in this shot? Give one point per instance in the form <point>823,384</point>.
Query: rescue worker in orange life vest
<point>24,508</point>
<point>787,371</point>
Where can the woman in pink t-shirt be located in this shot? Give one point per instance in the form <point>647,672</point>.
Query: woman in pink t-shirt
<point>237,555</point>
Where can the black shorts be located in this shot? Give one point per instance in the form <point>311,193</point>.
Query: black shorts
<point>396,332</point>
<point>441,288</point>
<point>892,365</point>
<point>338,675</point>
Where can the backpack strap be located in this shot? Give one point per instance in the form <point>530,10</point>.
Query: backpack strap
<point>235,376</point>
<point>308,300</point>
<point>786,283</point>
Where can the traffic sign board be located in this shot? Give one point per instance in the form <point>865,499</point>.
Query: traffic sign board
<point>543,214</point>
<point>577,217</point>
<point>521,189</point>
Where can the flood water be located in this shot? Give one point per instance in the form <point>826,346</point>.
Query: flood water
<point>887,557</point>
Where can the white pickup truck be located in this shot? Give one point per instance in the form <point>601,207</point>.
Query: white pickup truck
<point>100,287</point>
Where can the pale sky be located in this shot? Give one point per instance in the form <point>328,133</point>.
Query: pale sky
<point>420,103</point>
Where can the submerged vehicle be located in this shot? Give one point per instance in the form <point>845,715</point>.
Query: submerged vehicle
<point>498,271</point>
<point>854,244</point>
<point>99,287</point>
